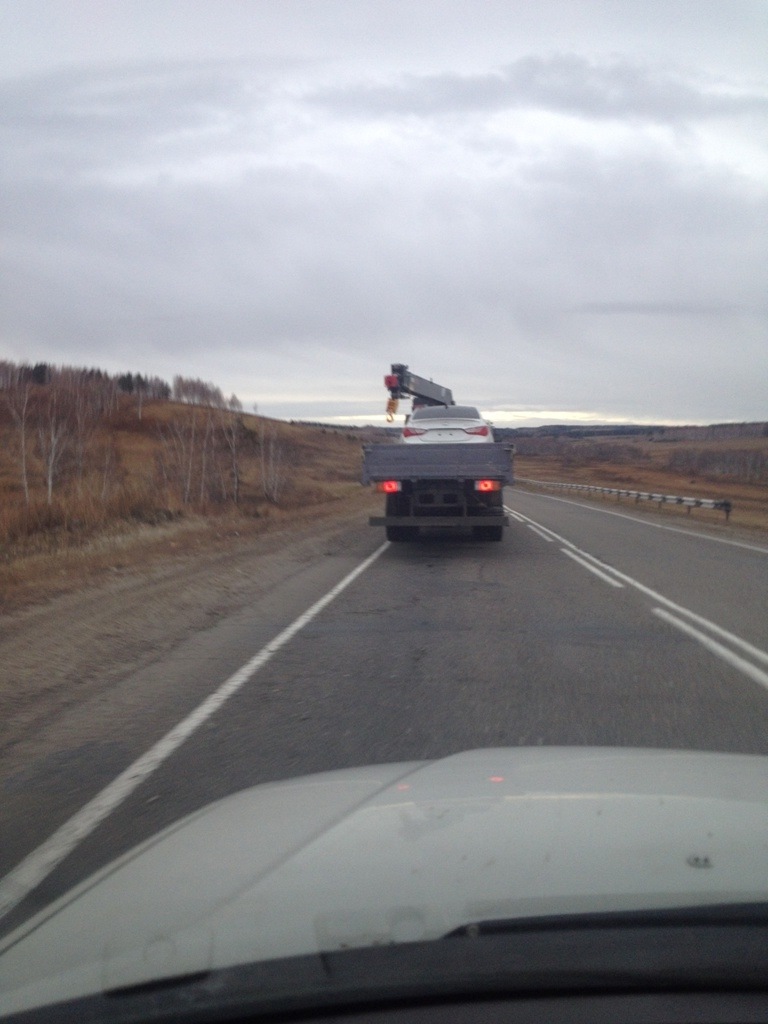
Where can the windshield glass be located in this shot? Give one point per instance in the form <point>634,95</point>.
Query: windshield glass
<point>460,412</point>
<point>533,655</point>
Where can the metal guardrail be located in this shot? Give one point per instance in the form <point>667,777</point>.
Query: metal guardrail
<point>662,499</point>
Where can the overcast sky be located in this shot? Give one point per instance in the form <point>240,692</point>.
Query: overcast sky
<point>558,209</point>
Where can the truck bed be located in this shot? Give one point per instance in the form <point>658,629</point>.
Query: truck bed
<point>437,462</point>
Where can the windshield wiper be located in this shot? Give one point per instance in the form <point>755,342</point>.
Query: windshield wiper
<point>689,950</point>
<point>723,914</point>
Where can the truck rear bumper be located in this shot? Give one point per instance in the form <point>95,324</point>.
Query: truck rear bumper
<point>446,522</point>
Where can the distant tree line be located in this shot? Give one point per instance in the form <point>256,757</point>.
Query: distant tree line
<point>570,432</point>
<point>15,375</point>
<point>711,432</point>
<point>196,392</point>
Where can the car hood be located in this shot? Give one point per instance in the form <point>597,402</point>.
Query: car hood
<point>403,852</point>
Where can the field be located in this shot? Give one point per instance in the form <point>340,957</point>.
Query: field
<point>154,488</point>
<point>732,468</point>
<point>168,479</point>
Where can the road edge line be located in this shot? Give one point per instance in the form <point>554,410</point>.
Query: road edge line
<point>729,657</point>
<point>36,866</point>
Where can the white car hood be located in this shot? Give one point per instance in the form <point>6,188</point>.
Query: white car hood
<point>403,852</point>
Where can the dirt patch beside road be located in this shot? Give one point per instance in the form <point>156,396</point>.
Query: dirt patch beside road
<point>105,612</point>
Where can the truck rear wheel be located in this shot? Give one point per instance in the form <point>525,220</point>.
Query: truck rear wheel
<point>488,532</point>
<point>397,505</point>
<point>398,533</point>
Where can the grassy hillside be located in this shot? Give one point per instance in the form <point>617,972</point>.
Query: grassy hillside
<point>731,463</point>
<point>133,488</point>
<point>175,460</point>
<point>118,483</point>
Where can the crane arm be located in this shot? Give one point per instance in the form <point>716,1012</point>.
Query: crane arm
<point>402,382</point>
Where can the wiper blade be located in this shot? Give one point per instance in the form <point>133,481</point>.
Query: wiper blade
<point>542,964</point>
<point>724,914</point>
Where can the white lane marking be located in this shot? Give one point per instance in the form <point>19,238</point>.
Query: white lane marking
<point>521,519</point>
<point>592,568</point>
<point>42,861</point>
<point>755,652</point>
<point>656,526</point>
<point>541,533</point>
<point>732,638</point>
<point>716,648</point>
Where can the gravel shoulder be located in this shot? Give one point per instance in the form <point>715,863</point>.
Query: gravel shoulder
<point>148,598</point>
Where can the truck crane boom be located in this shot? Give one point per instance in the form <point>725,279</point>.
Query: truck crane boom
<point>402,382</point>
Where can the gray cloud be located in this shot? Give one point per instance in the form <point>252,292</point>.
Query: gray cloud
<point>229,220</point>
<point>564,83</point>
<point>684,309</point>
<point>89,120</point>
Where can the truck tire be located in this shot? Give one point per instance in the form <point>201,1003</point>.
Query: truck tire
<point>401,533</point>
<point>397,505</point>
<point>491,533</point>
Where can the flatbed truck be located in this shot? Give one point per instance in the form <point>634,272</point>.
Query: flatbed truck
<point>437,486</point>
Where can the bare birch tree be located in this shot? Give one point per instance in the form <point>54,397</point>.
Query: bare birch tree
<point>17,397</point>
<point>232,431</point>
<point>207,454</point>
<point>54,436</point>
<point>84,401</point>
<point>273,474</point>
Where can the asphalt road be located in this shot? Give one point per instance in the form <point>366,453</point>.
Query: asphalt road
<point>586,626</point>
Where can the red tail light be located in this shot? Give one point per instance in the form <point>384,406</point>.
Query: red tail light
<point>389,486</point>
<point>412,432</point>
<point>487,485</point>
<point>479,431</point>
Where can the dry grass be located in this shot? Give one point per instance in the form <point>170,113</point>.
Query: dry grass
<point>124,479</point>
<point>31,578</point>
<point>643,466</point>
<point>89,530</point>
